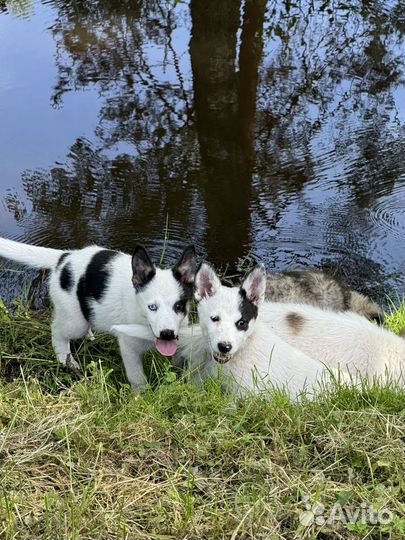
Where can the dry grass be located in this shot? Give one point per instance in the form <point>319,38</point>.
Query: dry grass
<point>87,459</point>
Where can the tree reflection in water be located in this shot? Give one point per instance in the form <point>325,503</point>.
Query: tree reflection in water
<point>278,133</point>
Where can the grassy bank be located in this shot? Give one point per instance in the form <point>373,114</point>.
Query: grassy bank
<point>87,459</point>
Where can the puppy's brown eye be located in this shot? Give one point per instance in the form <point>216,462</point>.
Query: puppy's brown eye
<point>215,319</point>
<point>242,324</point>
<point>180,307</point>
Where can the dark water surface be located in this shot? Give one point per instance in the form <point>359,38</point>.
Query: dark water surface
<point>273,130</point>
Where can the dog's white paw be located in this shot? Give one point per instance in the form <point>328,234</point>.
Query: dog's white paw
<point>90,335</point>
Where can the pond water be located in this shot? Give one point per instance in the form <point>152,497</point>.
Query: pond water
<point>255,130</point>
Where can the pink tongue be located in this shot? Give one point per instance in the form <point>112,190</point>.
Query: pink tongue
<point>167,348</point>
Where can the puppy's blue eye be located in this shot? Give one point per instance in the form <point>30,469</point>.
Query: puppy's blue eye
<point>152,307</point>
<point>215,319</point>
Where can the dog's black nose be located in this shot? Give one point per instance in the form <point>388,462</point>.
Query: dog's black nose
<point>224,346</point>
<point>167,334</point>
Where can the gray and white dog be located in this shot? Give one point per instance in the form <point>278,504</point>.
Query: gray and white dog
<point>317,288</point>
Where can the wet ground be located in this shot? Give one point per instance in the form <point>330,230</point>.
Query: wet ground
<point>256,130</point>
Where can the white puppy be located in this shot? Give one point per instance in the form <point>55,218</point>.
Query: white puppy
<point>234,338</point>
<point>346,340</point>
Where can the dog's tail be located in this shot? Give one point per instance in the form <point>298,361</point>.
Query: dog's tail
<point>365,306</point>
<point>37,257</point>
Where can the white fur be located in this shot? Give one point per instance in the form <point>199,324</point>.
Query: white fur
<point>258,358</point>
<point>119,305</point>
<point>133,330</point>
<point>35,256</point>
<point>272,351</point>
<point>346,340</point>
<point>264,362</point>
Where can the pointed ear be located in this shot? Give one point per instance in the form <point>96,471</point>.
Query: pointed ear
<point>207,282</point>
<point>143,269</point>
<point>255,285</point>
<point>186,266</point>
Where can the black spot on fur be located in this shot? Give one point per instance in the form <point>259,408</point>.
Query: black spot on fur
<point>66,278</point>
<point>180,306</point>
<point>187,292</point>
<point>94,281</point>
<point>62,258</point>
<point>295,321</point>
<point>187,288</point>
<point>247,309</point>
<point>184,273</point>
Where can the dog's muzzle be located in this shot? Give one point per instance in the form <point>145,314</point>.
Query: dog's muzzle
<point>167,335</point>
<point>166,343</point>
<point>221,358</point>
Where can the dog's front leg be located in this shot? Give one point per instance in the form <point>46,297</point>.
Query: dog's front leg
<point>132,350</point>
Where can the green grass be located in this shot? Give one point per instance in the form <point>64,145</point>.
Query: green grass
<point>396,317</point>
<point>88,459</point>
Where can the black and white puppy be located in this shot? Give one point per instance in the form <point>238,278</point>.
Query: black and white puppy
<point>97,288</point>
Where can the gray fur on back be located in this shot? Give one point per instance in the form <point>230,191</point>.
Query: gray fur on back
<point>319,289</point>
